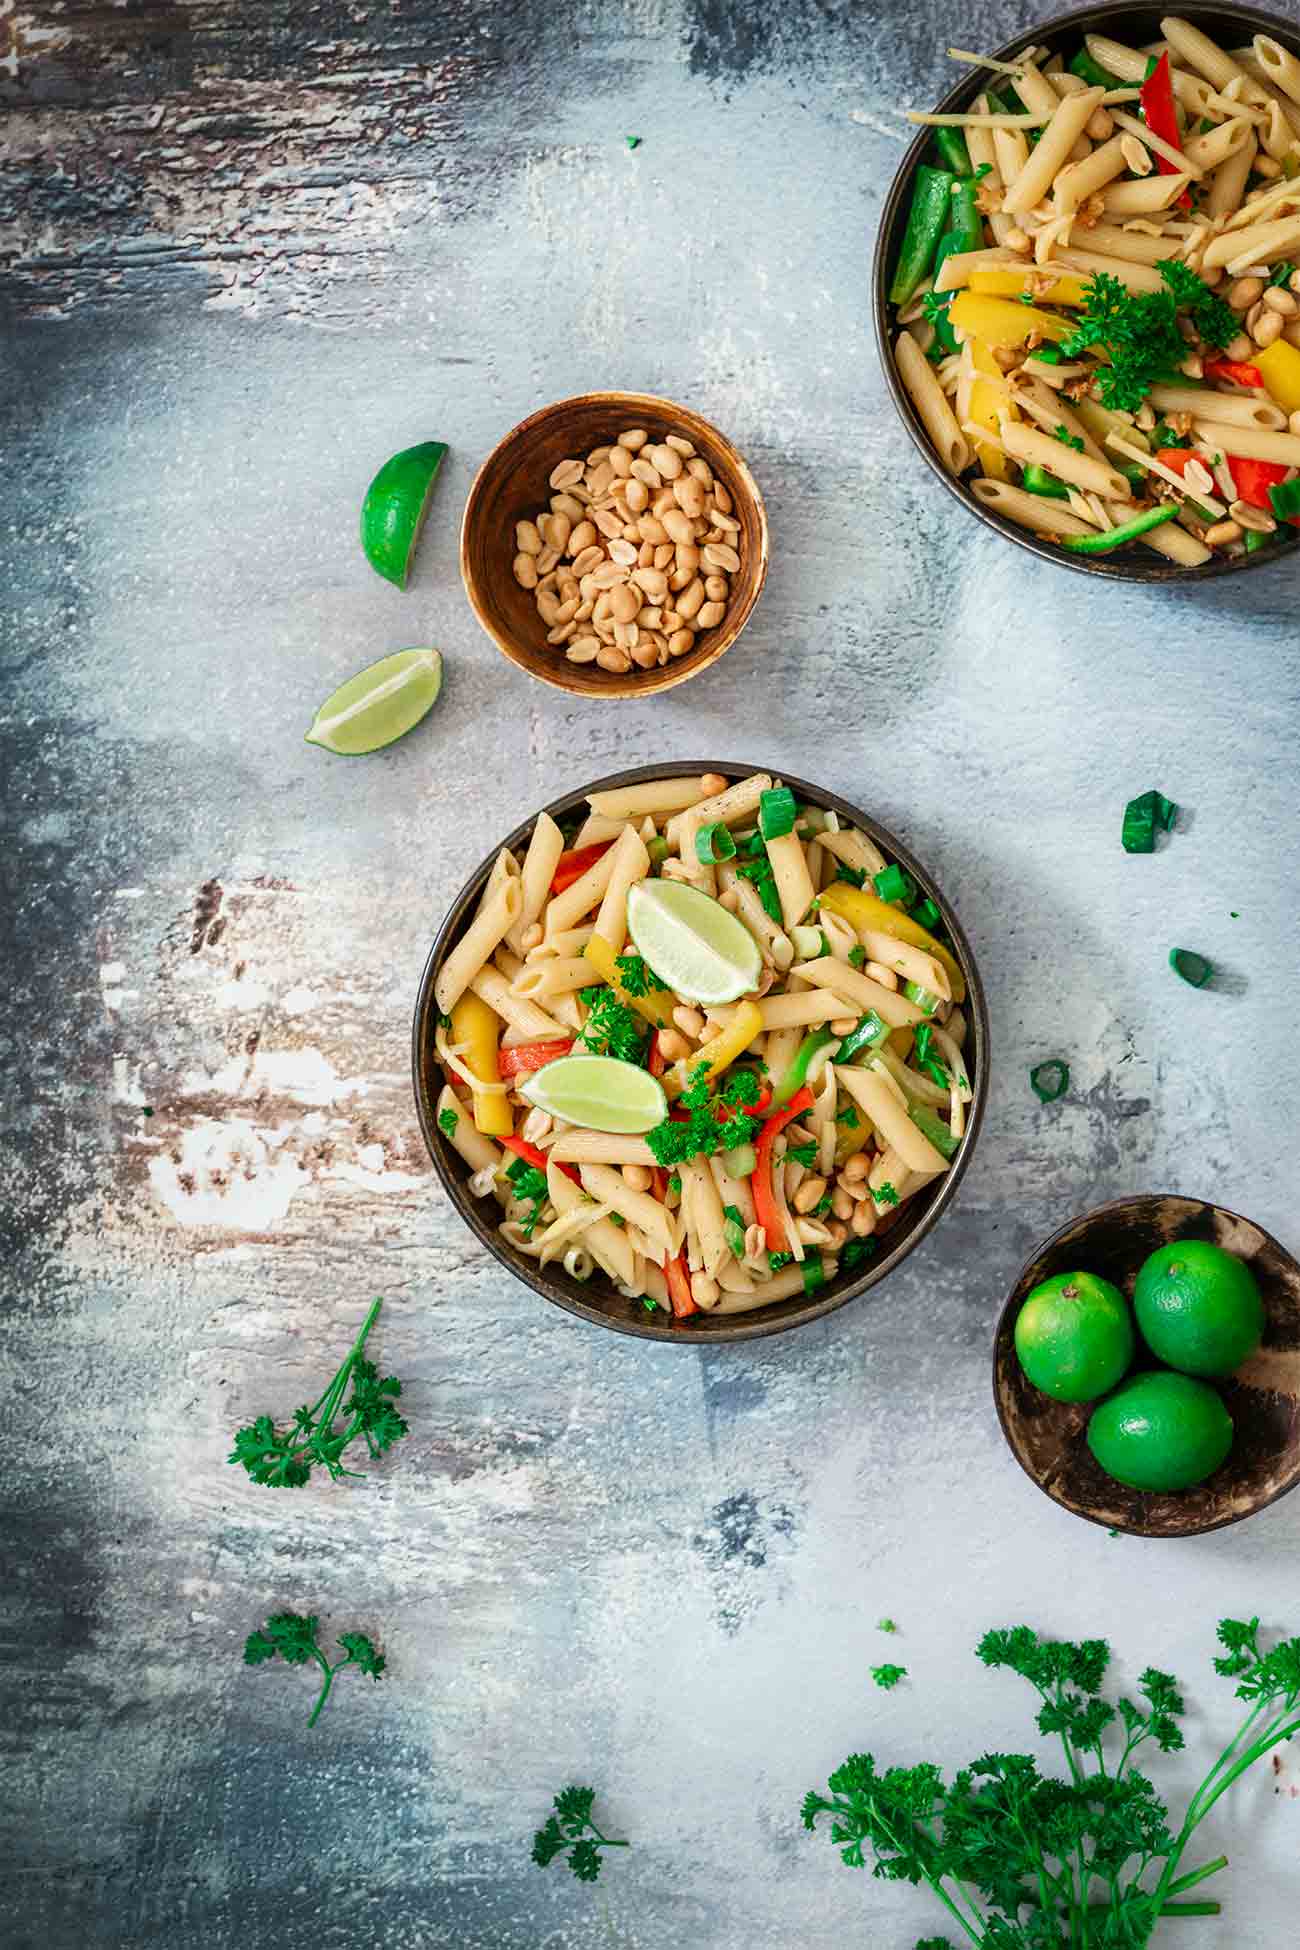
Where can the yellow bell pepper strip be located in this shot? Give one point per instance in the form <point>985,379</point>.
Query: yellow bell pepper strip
<point>478,1027</point>
<point>1280,365</point>
<point>656,1007</point>
<point>1010,281</point>
<point>1004,321</point>
<point>744,1028</point>
<point>986,402</point>
<point>862,909</point>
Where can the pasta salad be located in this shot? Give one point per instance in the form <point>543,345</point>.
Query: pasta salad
<point>1096,295</point>
<point>709,1042</point>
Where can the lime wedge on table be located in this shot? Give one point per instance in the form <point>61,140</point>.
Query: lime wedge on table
<point>380,704</point>
<point>692,942</point>
<point>599,1092</point>
<point>396,503</point>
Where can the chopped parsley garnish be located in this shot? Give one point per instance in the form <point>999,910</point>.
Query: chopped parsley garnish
<point>447,1122</point>
<point>289,1636</point>
<point>887,1677</point>
<point>1068,439</point>
<point>822,1207</point>
<point>800,1154</point>
<point>849,1118</point>
<point>528,1183</point>
<point>611,1028</point>
<point>675,1185</point>
<point>1163,435</point>
<point>711,1124</point>
<point>777,1260</point>
<point>763,880</point>
<point>926,1060</point>
<point>854,1251</point>
<point>571,1826</point>
<point>886,1625</point>
<point>444,1022</point>
<point>857,957</point>
<point>636,976</point>
<point>1139,331</point>
<point>854,877</point>
<point>886,1194</point>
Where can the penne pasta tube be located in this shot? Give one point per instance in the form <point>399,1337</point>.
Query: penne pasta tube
<point>629,863</point>
<point>793,881</point>
<point>790,1011</point>
<point>955,271</point>
<point>1178,545</point>
<point>464,1136</point>
<point>1036,91</point>
<point>532,1023</point>
<point>855,849</point>
<point>706,1215</point>
<point>1138,277</point>
<point>545,845</point>
<point>750,909</point>
<point>1262,243</point>
<point>890,1175</point>
<point>1279,64</point>
<point>575,1147</point>
<point>565,909</point>
<point>561,1232</point>
<point>1081,470</point>
<point>655,797</point>
<point>870,1089</point>
<point>1111,240</point>
<point>603,1240</point>
<point>1030,510</point>
<point>556,975</point>
<point>850,984</point>
<point>1144,196</point>
<point>609,1187</point>
<point>595,828</point>
<point>739,801</point>
<point>1052,152</point>
<point>1012,152</point>
<point>1209,150</point>
<point>1083,179</point>
<point>1196,50</point>
<point>733,1191</point>
<point>975,119</point>
<point>566,941</point>
<point>1125,63</point>
<point>479,942</point>
<point>782,1286</point>
<point>926,395</point>
<point>1250,443</point>
<point>1236,409</point>
<point>1156,144</point>
<point>907,960</point>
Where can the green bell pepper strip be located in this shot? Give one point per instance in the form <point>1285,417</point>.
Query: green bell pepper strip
<point>797,1074</point>
<point>869,1034</point>
<point>933,1127</point>
<point>953,153</point>
<point>1116,537</point>
<point>966,234</point>
<point>931,203</point>
<point>1092,71</point>
<point>894,883</point>
<point>1037,480</point>
<point>814,1276</point>
<point>1255,541</point>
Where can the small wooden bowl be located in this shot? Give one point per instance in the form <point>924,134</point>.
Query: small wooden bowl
<point>513,484</point>
<point>1047,1438</point>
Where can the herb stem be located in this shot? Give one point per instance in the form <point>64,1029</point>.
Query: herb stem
<point>1198,1875</point>
<point>324,1693</point>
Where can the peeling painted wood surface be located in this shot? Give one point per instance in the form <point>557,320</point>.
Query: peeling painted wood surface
<point>246,254</point>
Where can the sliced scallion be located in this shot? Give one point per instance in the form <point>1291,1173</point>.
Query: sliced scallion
<point>893,884</point>
<point>733,1228</point>
<point>1143,817</point>
<point>1050,1080</point>
<point>777,813</point>
<point>714,843</point>
<point>925,999</point>
<point>1192,967</point>
<point>932,1126</point>
<point>927,914</point>
<point>740,1161</point>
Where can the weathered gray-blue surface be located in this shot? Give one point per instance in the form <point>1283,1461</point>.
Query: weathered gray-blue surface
<point>250,253</point>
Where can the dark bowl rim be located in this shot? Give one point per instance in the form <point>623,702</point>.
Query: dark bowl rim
<point>1005,1325</point>
<point>1119,568</point>
<point>731,1327</point>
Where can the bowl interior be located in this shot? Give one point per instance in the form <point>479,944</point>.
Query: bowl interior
<point>1047,1437</point>
<point>1136,26</point>
<point>514,484</point>
<point>596,1300</point>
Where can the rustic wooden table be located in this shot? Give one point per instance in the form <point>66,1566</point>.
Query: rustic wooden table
<point>248,253</point>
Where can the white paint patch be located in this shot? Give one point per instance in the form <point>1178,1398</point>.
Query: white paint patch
<point>229,1175</point>
<point>300,1001</point>
<point>306,1074</point>
<point>112,972</point>
<point>245,993</point>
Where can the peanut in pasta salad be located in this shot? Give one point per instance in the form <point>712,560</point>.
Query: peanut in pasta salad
<point>1097,296</point>
<point>708,1044</point>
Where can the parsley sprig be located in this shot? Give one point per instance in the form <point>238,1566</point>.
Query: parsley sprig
<point>711,1123</point>
<point>1022,1860</point>
<point>571,1827</point>
<point>285,1460</point>
<point>289,1636</point>
<point>611,1028</point>
<point>1139,330</point>
<point>636,975</point>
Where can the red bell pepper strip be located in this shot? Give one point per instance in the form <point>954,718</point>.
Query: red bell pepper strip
<point>571,866</point>
<point>1238,371</point>
<point>1174,458</point>
<point>1161,117</point>
<point>679,1286</point>
<point>760,1184</point>
<point>524,1058</point>
<point>656,1063</point>
<point>723,1113</point>
<point>532,1156</point>
<point>1253,479</point>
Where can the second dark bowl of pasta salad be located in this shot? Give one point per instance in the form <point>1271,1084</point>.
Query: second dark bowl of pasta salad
<point>700,1052</point>
<point>1087,290</point>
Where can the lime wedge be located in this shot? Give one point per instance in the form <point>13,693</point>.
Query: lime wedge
<point>692,942</point>
<point>380,704</point>
<point>396,503</point>
<point>598,1092</point>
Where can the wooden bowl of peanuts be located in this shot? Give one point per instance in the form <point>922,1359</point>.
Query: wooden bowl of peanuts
<point>614,544</point>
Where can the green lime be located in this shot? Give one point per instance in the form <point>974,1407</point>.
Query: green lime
<point>1074,1336</point>
<point>599,1092</point>
<point>380,704</point>
<point>396,503</point>
<point>692,942</point>
<point>1198,1307</point>
<point>1161,1431</point>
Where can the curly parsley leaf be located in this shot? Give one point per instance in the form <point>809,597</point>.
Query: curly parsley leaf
<point>285,1459</point>
<point>447,1122</point>
<point>887,1676</point>
<point>1138,331</point>
<point>571,1827</point>
<point>636,975</point>
<point>289,1636</point>
<point>611,1028</point>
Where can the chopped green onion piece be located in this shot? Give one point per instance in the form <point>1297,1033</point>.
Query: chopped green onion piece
<point>777,813</point>
<point>714,843</point>
<point>927,914</point>
<point>814,1276</point>
<point>1116,537</point>
<point>924,1058</point>
<point>1051,355</point>
<point>1285,499</point>
<point>1192,967</point>
<point>1050,1080</point>
<point>868,1035</point>
<point>814,819</point>
<point>893,884</point>
<point>1283,272</point>
<point>797,1073</point>
<point>1037,480</point>
<point>925,999</point>
<point>933,1127</point>
<point>857,957</point>
<point>738,1162</point>
<point>733,1227</point>
<point>1142,817</point>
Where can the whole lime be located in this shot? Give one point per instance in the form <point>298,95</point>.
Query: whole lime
<point>1161,1431</point>
<point>1198,1307</point>
<point>1074,1336</point>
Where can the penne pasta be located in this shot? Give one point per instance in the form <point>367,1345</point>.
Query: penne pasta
<point>528,1018</point>
<point>479,942</point>
<point>656,797</point>
<point>1029,444</point>
<point>1052,152</point>
<point>629,862</point>
<point>545,845</point>
<point>1234,409</point>
<point>926,395</point>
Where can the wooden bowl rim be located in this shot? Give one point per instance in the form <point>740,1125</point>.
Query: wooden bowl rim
<point>634,683</point>
<point>1006,1326</point>
<point>1118,568</point>
<point>728,1327</point>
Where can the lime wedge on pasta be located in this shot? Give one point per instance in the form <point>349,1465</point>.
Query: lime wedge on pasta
<point>380,704</point>
<point>692,942</point>
<point>599,1092</point>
